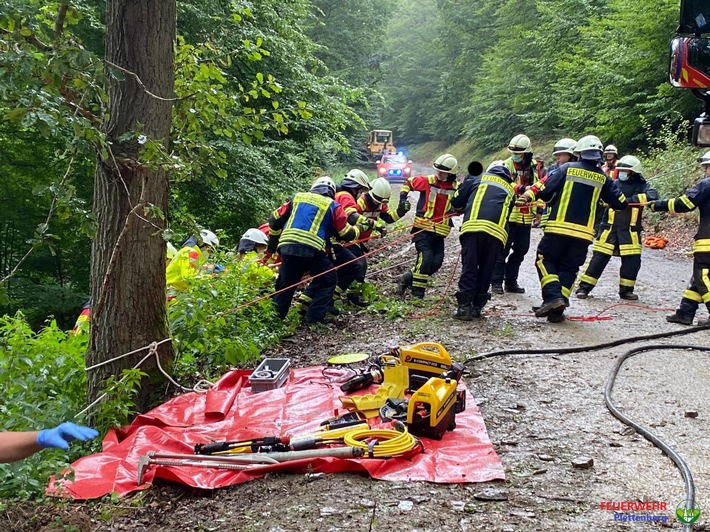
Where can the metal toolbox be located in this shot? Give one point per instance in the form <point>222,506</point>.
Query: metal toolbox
<point>272,373</point>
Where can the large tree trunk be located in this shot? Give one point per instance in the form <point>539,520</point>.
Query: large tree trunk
<point>128,253</point>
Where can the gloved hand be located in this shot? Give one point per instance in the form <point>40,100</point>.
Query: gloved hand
<point>653,204</point>
<point>523,200</point>
<point>60,437</point>
<point>381,227</point>
<point>403,207</point>
<point>536,221</point>
<point>218,268</point>
<point>366,225</point>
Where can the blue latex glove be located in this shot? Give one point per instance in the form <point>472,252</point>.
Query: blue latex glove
<point>218,268</point>
<point>60,437</point>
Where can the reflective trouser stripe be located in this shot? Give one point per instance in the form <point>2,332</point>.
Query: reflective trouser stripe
<point>627,282</point>
<point>588,279</point>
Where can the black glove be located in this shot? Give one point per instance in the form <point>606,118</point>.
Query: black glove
<point>404,205</point>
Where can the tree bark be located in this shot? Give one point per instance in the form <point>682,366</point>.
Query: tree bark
<point>128,252</point>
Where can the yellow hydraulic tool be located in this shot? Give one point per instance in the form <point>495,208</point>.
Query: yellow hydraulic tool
<point>395,380</point>
<point>423,360</point>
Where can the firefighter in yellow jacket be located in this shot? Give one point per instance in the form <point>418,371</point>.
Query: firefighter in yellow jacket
<point>572,191</point>
<point>189,259</point>
<point>432,222</point>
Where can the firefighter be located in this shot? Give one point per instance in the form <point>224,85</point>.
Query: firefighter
<point>486,201</point>
<point>524,171</point>
<point>300,231</point>
<point>572,192</point>
<point>352,267</point>
<point>189,259</point>
<point>698,291</point>
<point>252,241</point>
<point>432,222</point>
<point>372,205</point>
<point>620,232</point>
<point>611,157</point>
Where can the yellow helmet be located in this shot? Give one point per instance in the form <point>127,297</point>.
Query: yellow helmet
<point>381,190</point>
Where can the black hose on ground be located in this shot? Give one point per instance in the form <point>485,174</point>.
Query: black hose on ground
<point>646,433</point>
<point>618,414</point>
<point>584,349</point>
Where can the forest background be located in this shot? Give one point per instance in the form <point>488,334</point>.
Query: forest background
<point>269,94</point>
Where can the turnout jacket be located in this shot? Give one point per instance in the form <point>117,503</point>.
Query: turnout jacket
<point>363,209</point>
<point>486,202</point>
<point>523,177</point>
<point>434,202</point>
<point>572,193</point>
<point>311,220</point>
<point>696,197</point>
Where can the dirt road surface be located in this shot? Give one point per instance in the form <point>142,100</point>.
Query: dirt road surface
<point>543,414</point>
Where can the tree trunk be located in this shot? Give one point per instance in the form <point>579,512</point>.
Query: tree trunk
<point>128,253</point>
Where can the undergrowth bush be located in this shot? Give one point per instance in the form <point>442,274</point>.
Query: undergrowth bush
<point>43,383</point>
<point>670,163</point>
<point>209,334</point>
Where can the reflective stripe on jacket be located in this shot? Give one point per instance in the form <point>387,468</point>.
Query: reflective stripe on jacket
<point>434,203</point>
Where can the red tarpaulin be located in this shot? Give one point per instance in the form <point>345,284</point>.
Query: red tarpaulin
<point>230,411</point>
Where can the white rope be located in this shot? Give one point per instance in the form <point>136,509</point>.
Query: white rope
<point>202,386</point>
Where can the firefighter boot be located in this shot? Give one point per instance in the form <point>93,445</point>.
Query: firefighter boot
<point>465,310</point>
<point>417,292</point>
<point>404,281</point>
<point>556,316</point>
<point>685,313</point>
<point>514,288</point>
<point>546,308</point>
<point>497,288</point>
<point>479,302</point>
<point>583,290</point>
<point>627,292</point>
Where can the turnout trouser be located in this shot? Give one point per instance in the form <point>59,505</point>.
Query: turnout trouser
<point>698,290</point>
<point>351,267</point>
<point>430,257</point>
<point>558,261</point>
<point>479,252</point>
<point>508,264</point>
<point>319,292</point>
<point>614,242</point>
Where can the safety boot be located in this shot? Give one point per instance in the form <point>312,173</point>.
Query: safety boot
<point>556,316</point>
<point>514,288</point>
<point>357,300</point>
<point>417,292</point>
<point>497,288</point>
<point>703,322</point>
<point>546,308</point>
<point>404,281</point>
<point>628,294</point>
<point>678,317</point>
<point>581,293</point>
<point>464,311</point>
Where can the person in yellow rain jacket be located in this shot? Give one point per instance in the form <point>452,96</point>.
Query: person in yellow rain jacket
<point>189,259</point>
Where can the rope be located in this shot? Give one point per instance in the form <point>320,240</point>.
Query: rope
<point>202,386</point>
<point>446,292</point>
<point>309,278</point>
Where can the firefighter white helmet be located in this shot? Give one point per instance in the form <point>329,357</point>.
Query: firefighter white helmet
<point>209,238</point>
<point>256,236</point>
<point>704,160</point>
<point>630,164</point>
<point>324,180</point>
<point>381,190</point>
<point>519,144</point>
<point>359,177</point>
<point>446,163</point>
<point>589,147</point>
<point>565,145</point>
<point>495,163</point>
<point>611,149</point>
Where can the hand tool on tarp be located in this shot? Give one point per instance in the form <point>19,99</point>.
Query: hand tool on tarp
<point>239,462</point>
